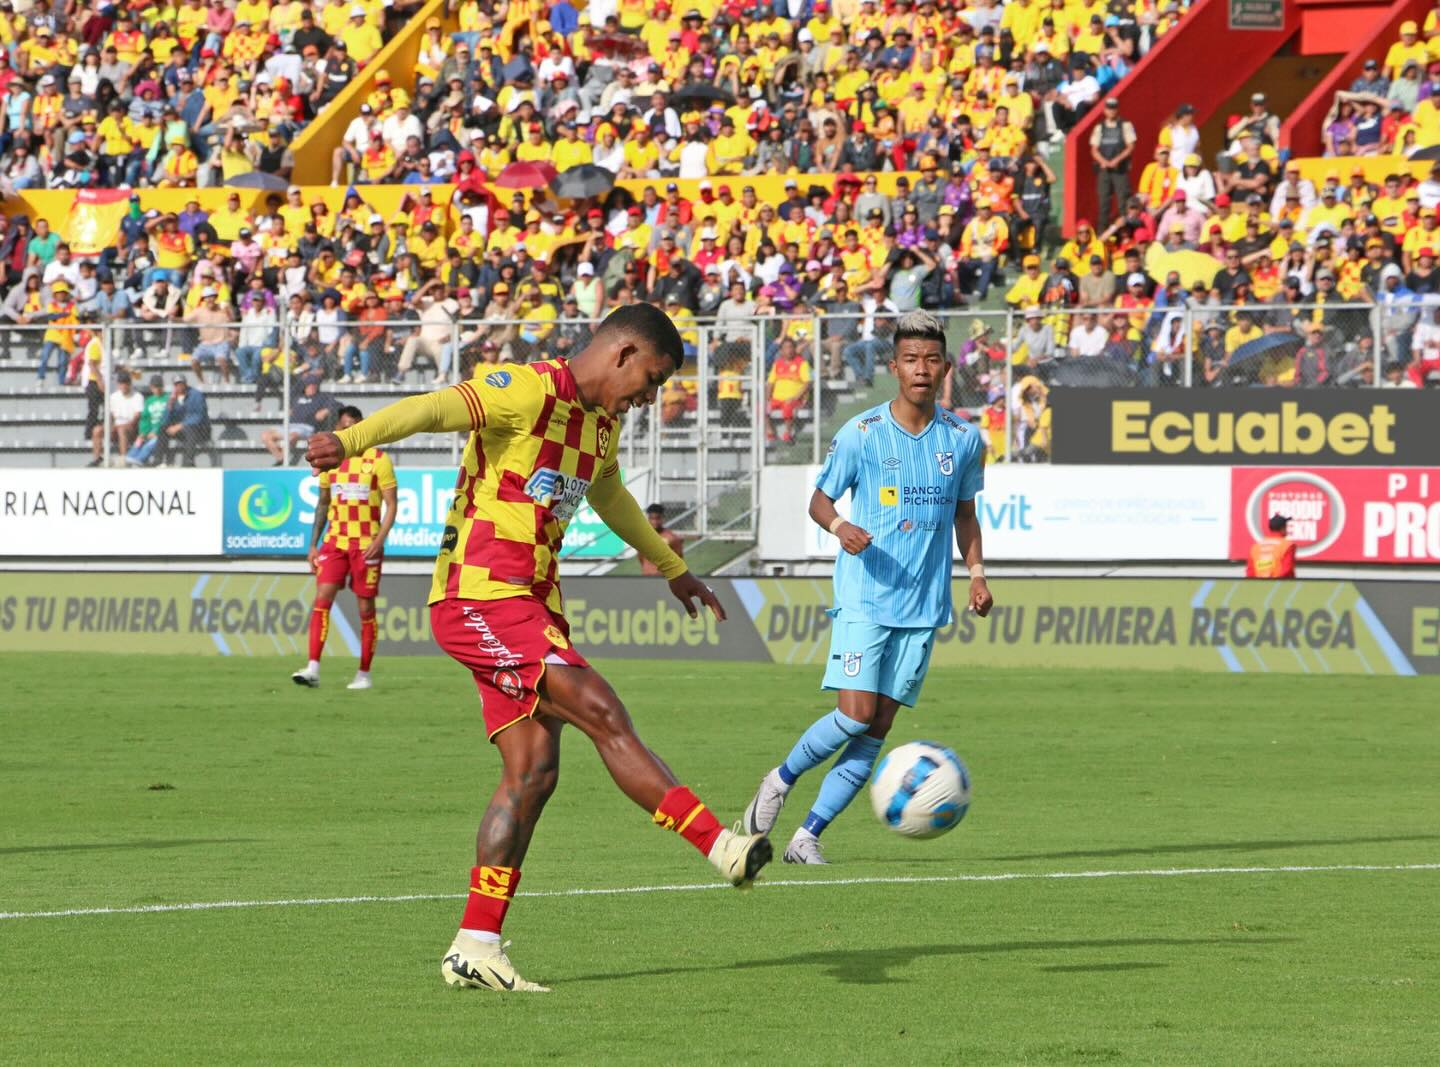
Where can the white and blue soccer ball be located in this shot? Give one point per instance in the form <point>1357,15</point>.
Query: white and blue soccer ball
<point>920,789</point>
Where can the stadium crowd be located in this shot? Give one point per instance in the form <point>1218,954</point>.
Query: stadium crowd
<point>962,101</point>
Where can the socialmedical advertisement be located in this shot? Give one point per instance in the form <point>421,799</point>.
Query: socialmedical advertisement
<point>1340,514</point>
<point>272,512</point>
<point>1320,627</point>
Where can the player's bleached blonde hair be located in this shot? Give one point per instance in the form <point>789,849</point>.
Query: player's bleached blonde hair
<point>920,325</point>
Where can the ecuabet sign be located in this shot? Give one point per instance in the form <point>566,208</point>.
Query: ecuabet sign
<point>1223,427</point>
<point>1341,514</point>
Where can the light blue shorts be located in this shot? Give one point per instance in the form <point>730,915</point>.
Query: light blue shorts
<point>869,658</point>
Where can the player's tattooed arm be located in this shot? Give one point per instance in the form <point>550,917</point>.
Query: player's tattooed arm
<point>822,511</point>
<point>317,529</point>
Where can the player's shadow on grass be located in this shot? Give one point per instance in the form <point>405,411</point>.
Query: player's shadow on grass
<point>105,846</point>
<point>1213,846</point>
<point>872,966</point>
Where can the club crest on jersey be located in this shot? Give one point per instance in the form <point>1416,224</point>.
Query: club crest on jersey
<point>508,682</point>
<point>602,440</point>
<point>561,493</point>
<point>498,379</point>
<point>850,663</point>
<point>555,637</point>
<point>947,462</point>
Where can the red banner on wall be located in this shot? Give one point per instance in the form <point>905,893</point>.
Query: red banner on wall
<point>1340,514</point>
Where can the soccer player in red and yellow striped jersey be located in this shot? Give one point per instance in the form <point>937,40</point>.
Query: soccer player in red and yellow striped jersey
<point>357,504</point>
<point>544,438</point>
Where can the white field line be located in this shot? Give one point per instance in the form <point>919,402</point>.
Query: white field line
<point>784,883</point>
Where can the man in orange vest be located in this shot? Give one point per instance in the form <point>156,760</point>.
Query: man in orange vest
<point>1274,556</point>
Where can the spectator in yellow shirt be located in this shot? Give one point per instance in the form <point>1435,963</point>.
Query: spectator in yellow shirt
<point>569,151</point>
<point>535,149</point>
<point>362,40</point>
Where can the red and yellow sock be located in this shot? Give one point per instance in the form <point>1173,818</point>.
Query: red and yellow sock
<point>491,890</point>
<point>680,810</point>
<point>319,627</point>
<point>367,641</point>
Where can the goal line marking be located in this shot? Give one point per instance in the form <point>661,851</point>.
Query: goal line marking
<point>782,883</point>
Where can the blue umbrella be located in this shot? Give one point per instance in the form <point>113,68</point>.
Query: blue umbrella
<point>1271,345</point>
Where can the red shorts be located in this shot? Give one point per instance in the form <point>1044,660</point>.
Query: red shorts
<point>784,408</point>
<point>506,645</point>
<point>337,564</point>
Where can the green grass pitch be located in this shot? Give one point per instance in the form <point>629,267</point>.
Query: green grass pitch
<point>127,781</point>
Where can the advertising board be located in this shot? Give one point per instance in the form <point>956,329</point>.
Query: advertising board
<point>90,513</point>
<point>1313,627</point>
<point>1037,512</point>
<point>1340,514</point>
<point>1221,427</point>
<point>271,513</point>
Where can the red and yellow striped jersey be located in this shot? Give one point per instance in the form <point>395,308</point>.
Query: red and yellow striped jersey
<point>355,495</point>
<point>535,455</point>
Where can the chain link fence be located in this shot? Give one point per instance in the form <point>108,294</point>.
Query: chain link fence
<point>753,391</point>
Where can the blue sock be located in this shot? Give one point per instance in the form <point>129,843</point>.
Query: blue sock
<point>846,778</point>
<point>826,736</point>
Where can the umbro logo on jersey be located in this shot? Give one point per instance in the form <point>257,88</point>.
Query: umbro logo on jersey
<point>946,460</point>
<point>890,462</point>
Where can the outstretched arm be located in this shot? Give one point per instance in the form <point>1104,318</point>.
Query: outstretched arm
<point>455,408</point>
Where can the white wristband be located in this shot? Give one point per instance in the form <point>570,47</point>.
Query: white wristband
<point>977,570</point>
<point>837,522</point>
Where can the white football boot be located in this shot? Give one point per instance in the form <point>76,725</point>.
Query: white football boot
<point>361,681</point>
<point>308,675</point>
<point>763,811</point>
<point>739,857</point>
<point>804,847</point>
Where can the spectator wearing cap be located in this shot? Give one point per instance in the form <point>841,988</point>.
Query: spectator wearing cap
<point>259,329</point>
<point>150,424</point>
<point>1097,287</point>
<point>59,313</point>
<point>1112,143</point>
<point>215,338</point>
<point>185,426</point>
<point>313,411</point>
<point>985,238</point>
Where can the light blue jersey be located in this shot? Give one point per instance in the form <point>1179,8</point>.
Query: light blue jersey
<point>904,491</point>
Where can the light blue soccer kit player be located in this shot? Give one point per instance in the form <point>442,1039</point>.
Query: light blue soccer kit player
<point>912,471</point>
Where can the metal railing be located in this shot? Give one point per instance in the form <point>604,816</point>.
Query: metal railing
<point>743,400</point>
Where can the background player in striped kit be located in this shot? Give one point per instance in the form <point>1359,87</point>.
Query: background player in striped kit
<point>912,470</point>
<point>348,543</point>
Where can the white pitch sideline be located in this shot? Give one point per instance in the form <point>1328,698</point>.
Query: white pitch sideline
<point>787,883</point>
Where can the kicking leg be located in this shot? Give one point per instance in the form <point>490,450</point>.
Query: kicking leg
<point>580,696</point>
<point>530,753</point>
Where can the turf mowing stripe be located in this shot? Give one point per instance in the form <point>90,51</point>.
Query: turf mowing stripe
<point>1011,876</point>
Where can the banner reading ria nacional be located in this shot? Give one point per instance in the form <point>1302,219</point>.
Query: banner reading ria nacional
<point>1340,514</point>
<point>1321,427</point>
